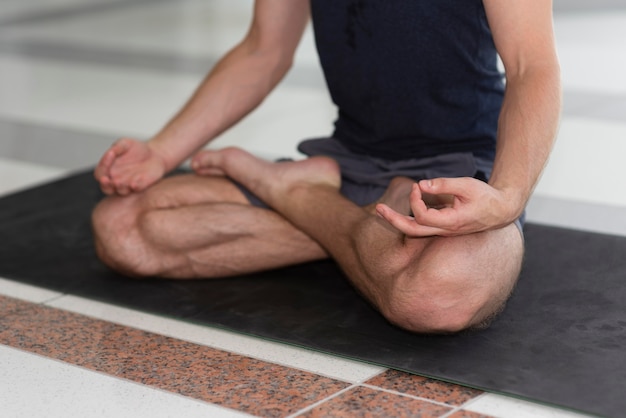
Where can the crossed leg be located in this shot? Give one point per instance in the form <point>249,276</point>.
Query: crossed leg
<point>200,227</point>
<point>190,226</point>
<point>432,284</point>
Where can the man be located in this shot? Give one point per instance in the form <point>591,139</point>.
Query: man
<point>398,197</point>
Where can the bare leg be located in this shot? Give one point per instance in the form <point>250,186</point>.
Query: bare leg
<point>422,284</point>
<point>195,227</point>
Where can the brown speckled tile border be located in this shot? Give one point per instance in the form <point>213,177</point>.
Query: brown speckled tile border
<point>367,402</point>
<point>423,387</point>
<point>218,377</point>
<point>9,305</point>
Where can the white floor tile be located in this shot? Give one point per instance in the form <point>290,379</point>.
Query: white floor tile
<point>33,386</point>
<point>505,407</point>
<point>26,292</point>
<point>327,365</point>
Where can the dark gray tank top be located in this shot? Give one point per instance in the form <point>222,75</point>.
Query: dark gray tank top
<point>411,78</point>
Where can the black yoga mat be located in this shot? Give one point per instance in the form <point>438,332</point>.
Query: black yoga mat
<point>560,341</point>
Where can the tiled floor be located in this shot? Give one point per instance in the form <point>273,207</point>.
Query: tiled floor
<point>76,74</point>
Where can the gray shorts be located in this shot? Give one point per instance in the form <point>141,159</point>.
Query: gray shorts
<point>364,179</point>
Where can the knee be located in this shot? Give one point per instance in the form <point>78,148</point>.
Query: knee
<point>426,314</point>
<point>116,236</point>
<point>440,304</point>
<point>450,287</point>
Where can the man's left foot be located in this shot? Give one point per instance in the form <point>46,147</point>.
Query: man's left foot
<point>268,180</point>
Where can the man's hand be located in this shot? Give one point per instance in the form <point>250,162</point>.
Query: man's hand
<point>452,206</point>
<point>129,166</point>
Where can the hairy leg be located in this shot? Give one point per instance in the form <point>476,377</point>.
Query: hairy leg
<point>431,284</point>
<point>190,226</point>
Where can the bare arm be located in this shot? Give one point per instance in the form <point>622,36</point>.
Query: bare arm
<point>240,81</point>
<point>523,33</point>
<point>530,114</point>
<point>237,84</point>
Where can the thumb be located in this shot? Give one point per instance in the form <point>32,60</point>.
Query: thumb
<point>451,186</point>
<point>121,146</point>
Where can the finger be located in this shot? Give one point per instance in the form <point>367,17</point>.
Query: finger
<point>120,187</point>
<point>121,146</point>
<point>140,182</point>
<point>122,190</point>
<point>137,184</point>
<point>446,186</point>
<point>416,200</point>
<point>108,158</point>
<point>424,214</point>
<point>438,201</point>
<point>104,165</point>
<point>106,186</point>
<point>444,219</point>
<point>405,224</point>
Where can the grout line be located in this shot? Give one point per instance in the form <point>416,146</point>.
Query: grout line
<point>467,405</point>
<point>52,300</point>
<point>322,401</point>
<point>25,292</point>
<point>419,398</point>
<point>453,408</point>
<point>375,374</point>
<point>464,405</point>
<point>451,412</point>
<point>474,399</point>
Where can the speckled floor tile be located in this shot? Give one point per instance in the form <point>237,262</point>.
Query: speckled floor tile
<point>423,387</point>
<point>200,372</point>
<point>366,402</point>
<point>8,305</point>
